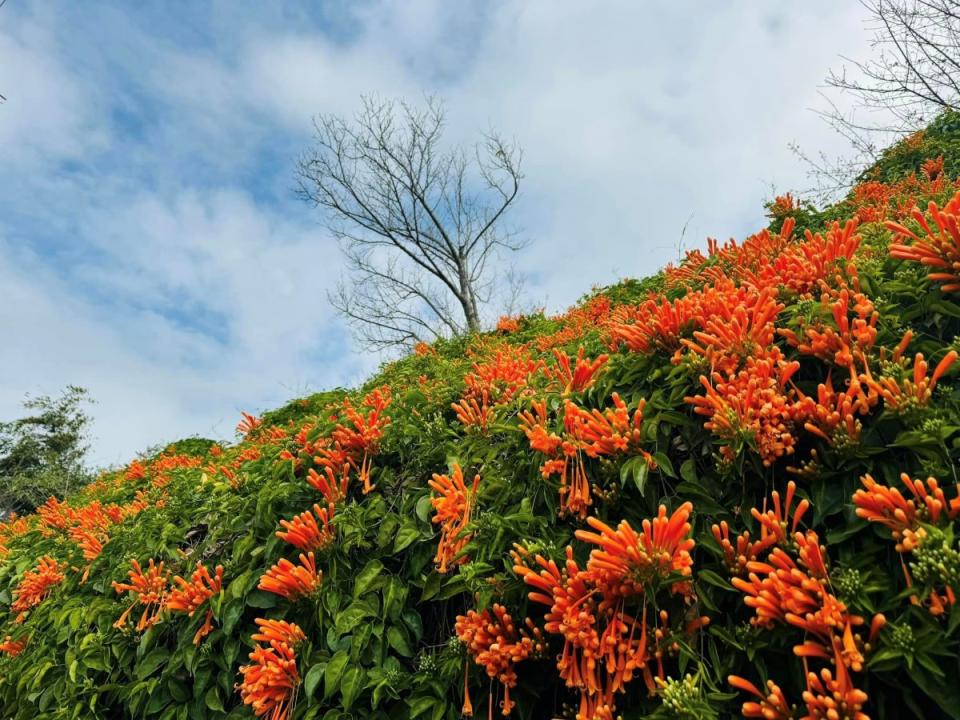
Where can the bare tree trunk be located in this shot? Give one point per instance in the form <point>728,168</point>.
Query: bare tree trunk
<point>419,225</point>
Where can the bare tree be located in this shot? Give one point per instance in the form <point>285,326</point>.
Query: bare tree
<point>913,74</point>
<point>421,225</point>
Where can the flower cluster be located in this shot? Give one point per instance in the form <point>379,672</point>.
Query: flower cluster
<point>452,509</point>
<point>581,376</point>
<point>906,517</point>
<point>150,589</point>
<point>792,587</point>
<point>35,585</point>
<point>188,596</point>
<point>611,432</point>
<point>355,442</point>
<point>248,424</point>
<point>494,643</point>
<point>901,395</point>
<point>310,531</point>
<point>939,249</point>
<point>605,642</point>
<point>271,680</point>
<point>495,381</point>
<point>11,647</point>
<point>291,581</point>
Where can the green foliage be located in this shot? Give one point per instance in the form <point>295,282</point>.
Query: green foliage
<point>380,640</point>
<point>940,138</point>
<point>43,453</point>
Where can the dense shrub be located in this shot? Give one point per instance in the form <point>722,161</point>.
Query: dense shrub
<point>699,495</point>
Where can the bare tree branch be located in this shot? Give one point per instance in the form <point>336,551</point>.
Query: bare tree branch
<point>417,222</point>
<point>912,76</point>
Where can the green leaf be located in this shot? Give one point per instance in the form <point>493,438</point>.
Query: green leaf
<point>212,699</point>
<point>664,464</point>
<point>712,578</point>
<point>405,535</point>
<point>688,470</point>
<point>312,679</point>
<point>352,683</point>
<point>418,706</point>
<point>151,662</point>
<point>351,617</point>
<point>333,672</point>
<point>424,507</point>
<point>366,577</point>
<point>432,586</point>
<point>640,474</point>
<point>262,599</point>
<point>397,639</point>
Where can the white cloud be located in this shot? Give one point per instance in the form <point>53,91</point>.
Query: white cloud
<point>151,245</point>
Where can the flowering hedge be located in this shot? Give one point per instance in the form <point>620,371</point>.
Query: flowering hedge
<point>726,490</point>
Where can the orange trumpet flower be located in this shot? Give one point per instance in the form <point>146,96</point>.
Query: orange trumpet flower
<point>35,586</point>
<point>292,581</point>
<point>495,644</point>
<point>772,706</point>
<point>625,561</point>
<point>279,631</point>
<point>189,596</point>
<point>582,376</point>
<point>270,681</point>
<point>304,532</point>
<point>453,507</point>
<point>11,647</point>
<point>150,588</point>
<point>939,249</point>
<point>333,490</point>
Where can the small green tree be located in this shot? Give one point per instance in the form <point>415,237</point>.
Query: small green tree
<point>44,453</point>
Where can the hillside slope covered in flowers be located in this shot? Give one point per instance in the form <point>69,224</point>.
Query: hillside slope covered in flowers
<point>729,489</point>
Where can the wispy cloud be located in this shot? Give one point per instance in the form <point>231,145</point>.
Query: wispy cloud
<point>152,249</point>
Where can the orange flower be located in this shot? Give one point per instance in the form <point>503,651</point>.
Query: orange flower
<point>753,404</point>
<point>793,587</point>
<point>189,596</point>
<point>583,374</point>
<point>773,523</point>
<point>627,561</point>
<point>11,647</point>
<point>939,249</point>
<point>473,414</point>
<point>594,433</point>
<point>270,681</point>
<point>90,544</point>
<point>773,706</point>
<point>507,324</point>
<point>494,643</point>
<point>360,440</point>
<point>502,376</point>
<point>534,426</point>
<point>248,423</point>
<point>136,471</point>
<point>332,490</point>
<point>150,587</point>
<point>35,586</point>
<point>292,581</point>
<point>881,504</point>
<point>827,697</point>
<point>452,508</point>
<point>906,394</point>
<point>604,646</point>
<point>279,631</point>
<point>303,531</point>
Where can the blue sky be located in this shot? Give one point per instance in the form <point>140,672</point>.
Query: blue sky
<point>152,248</point>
